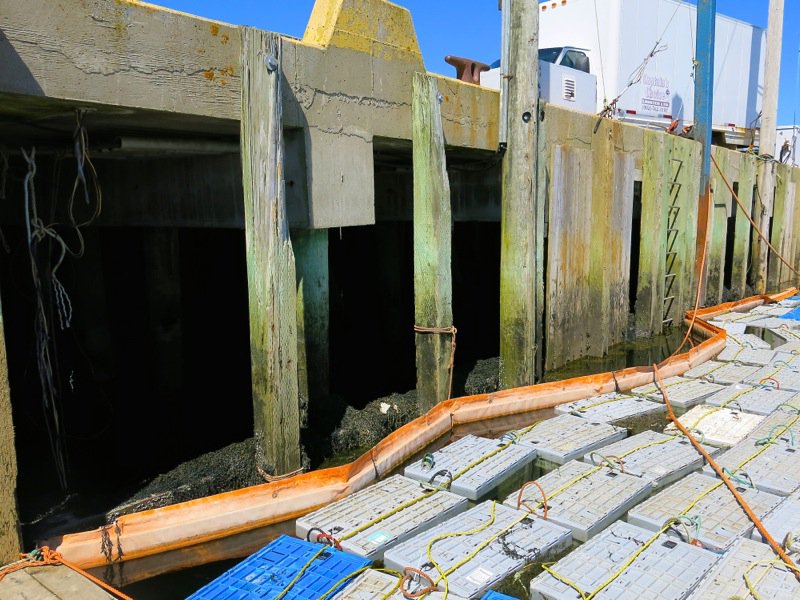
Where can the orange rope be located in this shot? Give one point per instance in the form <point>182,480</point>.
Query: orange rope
<point>758,231</point>
<point>46,557</point>
<point>407,576</point>
<point>528,508</point>
<point>742,502</point>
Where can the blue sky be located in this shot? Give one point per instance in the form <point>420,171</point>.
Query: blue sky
<point>472,28</point>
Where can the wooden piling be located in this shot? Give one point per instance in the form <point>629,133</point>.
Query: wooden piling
<point>520,272</point>
<point>270,259</point>
<point>653,239</point>
<point>9,521</point>
<point>741,242</point>
<point>777,273</point>
<point>433,311</point>
<point>313,316</point>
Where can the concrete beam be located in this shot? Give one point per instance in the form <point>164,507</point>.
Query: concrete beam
<point>347,82</point>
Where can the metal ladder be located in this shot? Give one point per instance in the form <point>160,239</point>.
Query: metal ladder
<point>673,234</point>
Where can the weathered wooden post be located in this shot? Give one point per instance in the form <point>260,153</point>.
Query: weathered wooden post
<point>433,311</point>
<point>9,521</point>
<point>270,259</point>
<point>520,273</point>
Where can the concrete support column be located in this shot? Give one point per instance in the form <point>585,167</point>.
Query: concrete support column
<point>313,316</point>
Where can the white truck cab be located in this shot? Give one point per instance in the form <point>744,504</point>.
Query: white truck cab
<point>564,78</point>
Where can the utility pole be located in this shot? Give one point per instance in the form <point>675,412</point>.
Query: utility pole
<point>520,271</point>
<point>766,145</point>
<point>703,104</point>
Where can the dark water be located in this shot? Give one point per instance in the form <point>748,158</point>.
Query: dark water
<point>638,353</point>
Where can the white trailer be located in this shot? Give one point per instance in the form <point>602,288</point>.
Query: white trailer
<point>642,53</point>
<point>787,144</point>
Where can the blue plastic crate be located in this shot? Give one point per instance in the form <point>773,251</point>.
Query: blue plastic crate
<point>794,315</point>
<point>491,595</point>
<point>268,572</point>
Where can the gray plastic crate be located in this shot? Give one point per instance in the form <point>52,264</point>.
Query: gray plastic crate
<point>726,580</point>
<point>371,585</point>
<point>791,346</point>
<point>483,478</point>
<point>773,310</point>
<point>778,323</point>
<point>776,469</point>
<point>721,518</point>
<point>683,392</point>
<point>737,317</point>
<point>512,540</point>
<point>784,519</point>
<point>666,569</point>
<point>782,423</point>
<point>661,463</point>
<point>715,426</point>
<point>781,376</point>
<point>746,355</point>
<point>757,400</point>
<point>725,373</point>
<point>375,504</point>
<point>567,437</point>
<point>599,497</point>
<point>611,408</point>
<point>730,326</point>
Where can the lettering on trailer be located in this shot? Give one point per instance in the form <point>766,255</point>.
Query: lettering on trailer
<point>656,94</point>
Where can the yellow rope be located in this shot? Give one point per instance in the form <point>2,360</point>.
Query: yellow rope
<point>648,543</point>
<point>443,574</point>
<point>770,565</point>
<point>300,573</point>
<point>572,482</point>
<point>404,505</point>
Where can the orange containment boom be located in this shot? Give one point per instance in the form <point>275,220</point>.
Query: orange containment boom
<point>233,524</point>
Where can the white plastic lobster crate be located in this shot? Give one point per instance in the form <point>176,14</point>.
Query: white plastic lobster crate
<point>657,457</point>
<point>371,520</point>
<point>666,569</point>
<point>718,517</point>
<point>493,462</point>
<point>770,578</point>
<point>473,562</point>
<point>581,497</point>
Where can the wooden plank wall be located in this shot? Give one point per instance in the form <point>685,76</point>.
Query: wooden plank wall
<point>588,181</point>
<point>782,233</point>
<point>587,177</point>
<point>684,191</point>
<point>653,240</point>
<point>741,244</point>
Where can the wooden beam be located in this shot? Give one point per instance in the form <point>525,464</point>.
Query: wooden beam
<point>433,226</point>
<point>9,521</point>
<point>270,259</point>
<point>720,203</point>
<point>313,316</point>
<point>519,270</point>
